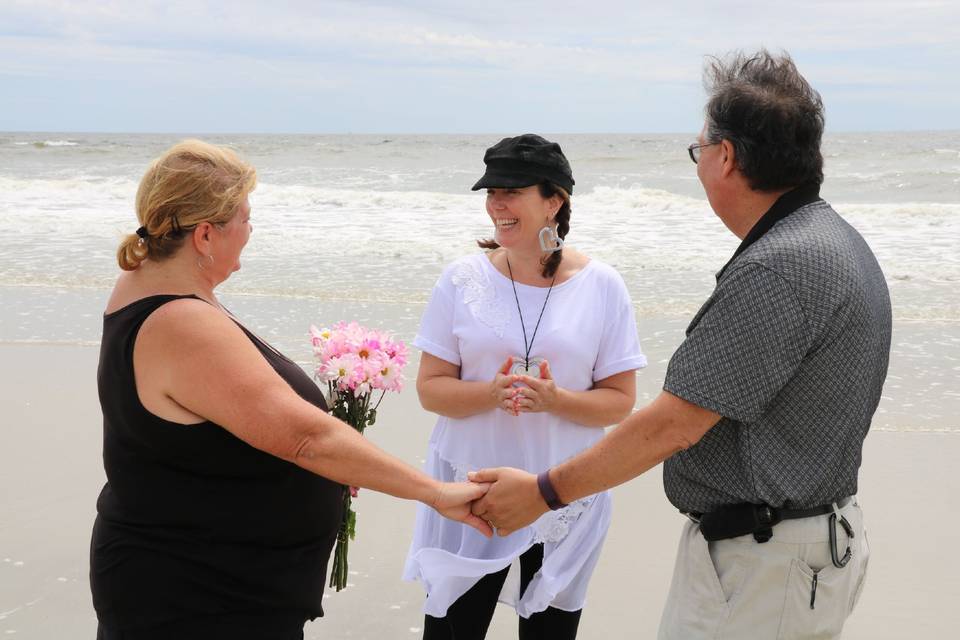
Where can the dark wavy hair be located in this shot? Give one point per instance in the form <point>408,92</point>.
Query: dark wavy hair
<point>770,114</point>
<point>552,261</point>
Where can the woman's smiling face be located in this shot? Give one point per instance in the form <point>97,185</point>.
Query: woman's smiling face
<point>519,214</point>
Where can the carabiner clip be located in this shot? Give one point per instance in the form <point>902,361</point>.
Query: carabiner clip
<point>840,562</point>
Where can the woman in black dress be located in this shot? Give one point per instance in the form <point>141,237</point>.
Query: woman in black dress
<point>224,473</point>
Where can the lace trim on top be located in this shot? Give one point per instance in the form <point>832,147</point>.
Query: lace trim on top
<point>480,296</point>
<point>552,526</point>
<point>555,525</point>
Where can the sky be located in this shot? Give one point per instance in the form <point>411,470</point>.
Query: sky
<point>443,66</point>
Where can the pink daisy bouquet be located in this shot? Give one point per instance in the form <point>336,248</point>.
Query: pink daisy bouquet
<point>360,366</point>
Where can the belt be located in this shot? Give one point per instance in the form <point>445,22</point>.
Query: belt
<point>735,520</point>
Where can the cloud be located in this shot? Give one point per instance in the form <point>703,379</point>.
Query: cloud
<point>351,52</point>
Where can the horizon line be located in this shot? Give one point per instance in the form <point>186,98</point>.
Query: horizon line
<point>414,133</point>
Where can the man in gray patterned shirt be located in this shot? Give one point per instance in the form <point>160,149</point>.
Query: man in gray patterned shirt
<point>767,401</point>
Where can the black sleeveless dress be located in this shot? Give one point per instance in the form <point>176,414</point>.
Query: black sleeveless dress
<point>198,534</point>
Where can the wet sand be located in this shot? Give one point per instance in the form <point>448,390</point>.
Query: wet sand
<point>51,473</point>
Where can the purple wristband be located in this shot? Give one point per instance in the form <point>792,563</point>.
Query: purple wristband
<point>548,492</point>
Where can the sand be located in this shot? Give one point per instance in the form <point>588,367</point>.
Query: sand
<point>51,473</point>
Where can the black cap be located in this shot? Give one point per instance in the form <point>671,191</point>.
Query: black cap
<point>524,161</point>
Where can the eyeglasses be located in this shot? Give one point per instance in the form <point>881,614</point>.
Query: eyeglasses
<point>694,150</point>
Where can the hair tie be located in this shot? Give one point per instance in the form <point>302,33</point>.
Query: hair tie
<point>142,232</point>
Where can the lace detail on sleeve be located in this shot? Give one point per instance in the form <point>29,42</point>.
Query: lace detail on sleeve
<point>555,525</point>
<point>480,296</point>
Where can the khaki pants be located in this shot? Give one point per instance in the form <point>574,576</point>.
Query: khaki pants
<point>738,588</point>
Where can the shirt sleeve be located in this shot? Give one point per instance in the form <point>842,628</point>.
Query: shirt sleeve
<point>743,347</point>
<point>435,335</point>
<point>619,344</point>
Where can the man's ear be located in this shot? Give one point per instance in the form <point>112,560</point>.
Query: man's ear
<point>728,158</point>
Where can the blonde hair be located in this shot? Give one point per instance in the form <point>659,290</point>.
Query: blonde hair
<point>192,182</point>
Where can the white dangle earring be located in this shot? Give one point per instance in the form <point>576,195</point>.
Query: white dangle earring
<point>200,263</point>
<point>550,242</point>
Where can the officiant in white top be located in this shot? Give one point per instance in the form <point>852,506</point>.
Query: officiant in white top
<point>529,349</point>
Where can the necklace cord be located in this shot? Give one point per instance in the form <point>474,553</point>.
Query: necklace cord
<point>523,327</point>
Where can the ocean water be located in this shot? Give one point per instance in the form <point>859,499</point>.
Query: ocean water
<point>348,225</point>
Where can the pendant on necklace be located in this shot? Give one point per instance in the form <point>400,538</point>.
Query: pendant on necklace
<point>518,367</point>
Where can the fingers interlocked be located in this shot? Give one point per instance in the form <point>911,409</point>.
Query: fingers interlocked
<point>503,387</point>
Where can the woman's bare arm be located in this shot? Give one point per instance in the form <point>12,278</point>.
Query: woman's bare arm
<point>202,361</point>
<point>442,391</point>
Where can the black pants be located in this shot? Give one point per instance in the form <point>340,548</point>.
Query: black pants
<point>220,627</point>
<point>469,617</point>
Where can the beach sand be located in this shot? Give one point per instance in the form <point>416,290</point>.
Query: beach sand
<point>51,472</point>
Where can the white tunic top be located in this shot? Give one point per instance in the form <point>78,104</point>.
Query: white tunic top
<point>588,333</point>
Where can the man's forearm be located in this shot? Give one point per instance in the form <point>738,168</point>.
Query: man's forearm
<point>642,441</point>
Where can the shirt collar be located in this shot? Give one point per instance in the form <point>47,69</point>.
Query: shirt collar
<point>785,205</point>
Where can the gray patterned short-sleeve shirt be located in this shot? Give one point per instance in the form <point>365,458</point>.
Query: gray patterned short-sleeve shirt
<point>791,349</point>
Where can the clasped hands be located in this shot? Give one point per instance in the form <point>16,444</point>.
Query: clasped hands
<point>500,500</point>
<point>518,394</point>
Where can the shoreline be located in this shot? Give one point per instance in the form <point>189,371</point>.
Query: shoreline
<point>919,395</point>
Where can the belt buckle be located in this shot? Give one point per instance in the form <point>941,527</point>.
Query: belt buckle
<point>767,517</point>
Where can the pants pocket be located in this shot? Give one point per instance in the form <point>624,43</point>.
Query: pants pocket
<point>731,566</point>
<point>816,603</point>
<point>865,562</point>
<point>696,605</point>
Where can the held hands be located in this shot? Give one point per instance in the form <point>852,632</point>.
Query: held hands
<point>503,498</point>
<point>511,502</point>
<point>518,394</point>
<point>454,501</point>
